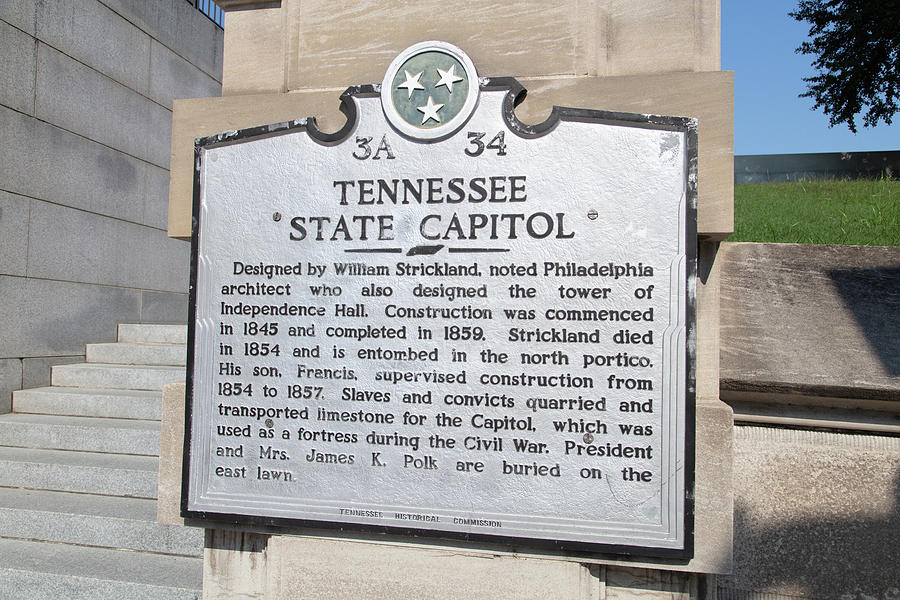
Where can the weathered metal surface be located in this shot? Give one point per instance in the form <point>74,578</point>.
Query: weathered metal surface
<point>488,335</point>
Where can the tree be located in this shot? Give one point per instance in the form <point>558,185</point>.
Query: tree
<point>856,44</point>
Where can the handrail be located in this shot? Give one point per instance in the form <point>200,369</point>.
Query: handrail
<point>211,10</point>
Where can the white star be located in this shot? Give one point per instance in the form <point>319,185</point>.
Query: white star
<point>430,110</point>
<point>448,78</point>
<point>411,83</point>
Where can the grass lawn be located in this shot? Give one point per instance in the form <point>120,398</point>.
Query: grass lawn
<point>863,212</point>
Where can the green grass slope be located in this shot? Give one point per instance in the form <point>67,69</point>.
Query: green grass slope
<point>862,212</point>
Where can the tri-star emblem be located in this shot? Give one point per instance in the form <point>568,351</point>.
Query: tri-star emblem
<point>426,81</point>
<point>431,108</point>
<point>428,87</point>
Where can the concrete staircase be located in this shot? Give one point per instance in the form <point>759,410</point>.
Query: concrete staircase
<point>78,472</point>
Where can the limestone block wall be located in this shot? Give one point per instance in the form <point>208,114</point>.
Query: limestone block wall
<point>810,364</point>
<point>86,92</point>
<point>816,515</point>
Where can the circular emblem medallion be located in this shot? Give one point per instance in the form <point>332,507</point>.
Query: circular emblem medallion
<point>430,90</point>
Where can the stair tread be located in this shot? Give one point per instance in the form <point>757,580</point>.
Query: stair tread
<point>88,434</point>
<point>116,376</point>
<point>91,520</point>
<point>149,353</point>
<point>68,458</point>
<point>118,367</point>
<point>113,507</point>
<point>112,392</point>
<point>89,402</point>
<point>72,471</point>
<point>167,572</point>
<point>69,421</point>
<point>148,332</point>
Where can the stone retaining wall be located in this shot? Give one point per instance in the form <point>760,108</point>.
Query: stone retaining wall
<point>810,362</point>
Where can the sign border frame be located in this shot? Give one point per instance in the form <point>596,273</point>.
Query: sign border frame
<point>514,96</point>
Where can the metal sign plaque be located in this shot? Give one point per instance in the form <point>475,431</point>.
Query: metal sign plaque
<point>442,321</point>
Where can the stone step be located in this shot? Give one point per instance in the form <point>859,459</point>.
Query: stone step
<point>149,333</point>
<point>68,471</point>
<point>90,434</point>
<point>125,377</point>
<point>90,520</point>
<point>131,353</point>
<point>89,402</point>
<point>42,570</point>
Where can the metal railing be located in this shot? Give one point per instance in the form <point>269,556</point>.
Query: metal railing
<point>211,10</point>
<point>764,168</point>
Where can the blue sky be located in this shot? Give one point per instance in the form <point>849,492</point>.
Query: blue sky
<point>758,42</point>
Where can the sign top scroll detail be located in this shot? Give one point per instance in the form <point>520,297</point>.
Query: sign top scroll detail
<point>430,90</point>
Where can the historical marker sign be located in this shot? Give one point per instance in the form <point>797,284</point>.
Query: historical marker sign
<point>443,321</point>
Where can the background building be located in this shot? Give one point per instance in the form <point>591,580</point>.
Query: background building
<point>86,90</point>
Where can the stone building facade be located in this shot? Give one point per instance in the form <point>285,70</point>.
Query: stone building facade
<point>86,91</point>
